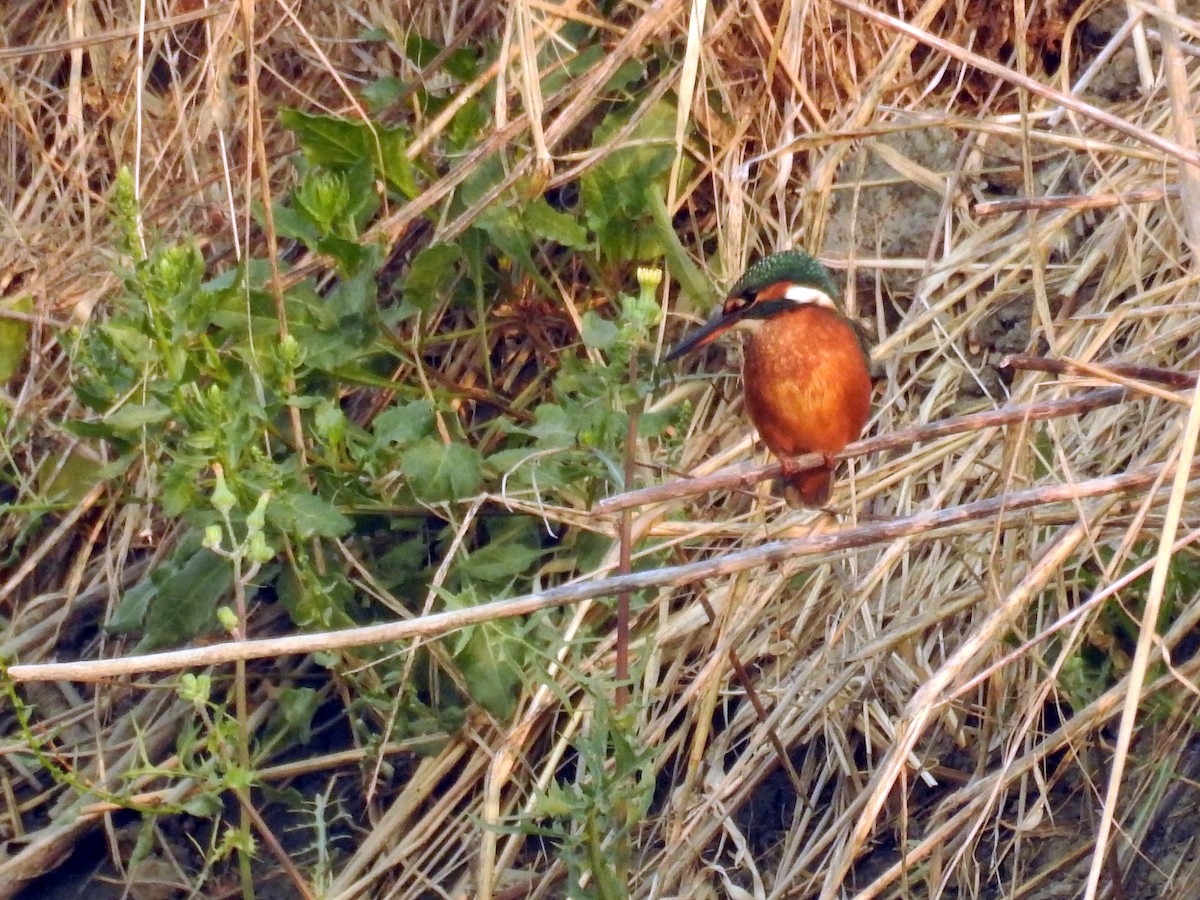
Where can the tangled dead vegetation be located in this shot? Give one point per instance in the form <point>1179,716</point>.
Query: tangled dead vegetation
<point>959,701</point>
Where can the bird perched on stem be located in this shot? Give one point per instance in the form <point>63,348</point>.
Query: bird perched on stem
<point>806,376</point>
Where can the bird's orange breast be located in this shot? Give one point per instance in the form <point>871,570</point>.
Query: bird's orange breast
<point>807,382</point>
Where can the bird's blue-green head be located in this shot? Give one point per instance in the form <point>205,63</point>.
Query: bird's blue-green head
<point>773,285</point>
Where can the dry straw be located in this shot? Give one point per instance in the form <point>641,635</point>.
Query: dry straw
<point>918,654</point>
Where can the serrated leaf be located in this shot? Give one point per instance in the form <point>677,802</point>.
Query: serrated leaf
<point>186,600</point>
<point>382,93</point>
<point>307,515</point>
<point>512,548</point>
<point>351,257</point>
<point>489,656</point>
<point>297,706</point>
<point>553,426</point>
<point>403,424</point>
<point>291,223</point>
<point>131,610</point>
<point>437,471</point>
<point>431,272</point>
<point>337,143</point>
<point>492,679</point>
<point>597,332</point>
<point>562,228</point>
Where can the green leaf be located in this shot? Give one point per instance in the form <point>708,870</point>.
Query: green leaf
<point>497,563</point>
<point>403,424</point>
<point>186,600</point>
<point>490,659</point>
<point>466,124</point>
<point>502,225</point>
<point>492,678</point>
<point>297,706</point>
<point>292,223</point>
<point>616,193</point>
<point>513,546</point>
<point>432,271</point>
<point>205,805</point>
<point>324,197</point>
<point>693,282</point>
<point>339,143</point>
<point>351,257</point>
<point>598,333</point>
<point>14,336</point>
<point>68,480</point>
<point>437,471</point>
<point>133,416</point>
<point>560,227</point>
<point>382,93</point>
<point>307,515</point>
<point>553,426</point>
<point>420,50</point>
<point>131,610</point>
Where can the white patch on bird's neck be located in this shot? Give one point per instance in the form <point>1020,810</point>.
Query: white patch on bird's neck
<point>802,295</point>
<point>750,325</point>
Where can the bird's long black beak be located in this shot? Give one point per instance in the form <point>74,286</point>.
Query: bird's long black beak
<point>709,331</point>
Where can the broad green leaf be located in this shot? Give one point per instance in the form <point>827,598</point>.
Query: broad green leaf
<point>420,50</point>
<point>431,272</point>
<point>351,257</point>
<point>297,706</point>
<point>186,601</point>
<point>338,143</point>
<point>14,336</point>
<point>437,471</point>
<point>307,515</point>
<point>133,416</point>
<point>403,424</point>
<point>382,93</point>
<point>615,194</point>
<point>560,227</point>
<point>553,426</point>
<point>505,556</point>
<point>492,677</point>
<point>490,657</point>
<point>69,480</point>
<point>597,332</point>
<point>292,223</point>
<point>466,124</point>
<point>131,610</point>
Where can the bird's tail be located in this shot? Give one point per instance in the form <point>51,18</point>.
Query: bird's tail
<point>811,487</point>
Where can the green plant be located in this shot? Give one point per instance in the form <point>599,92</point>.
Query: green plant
<point>1105,654</point>
<point>242,411</point>
<point>592,815</point>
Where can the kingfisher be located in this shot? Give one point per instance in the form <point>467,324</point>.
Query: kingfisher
<point>805,372</point>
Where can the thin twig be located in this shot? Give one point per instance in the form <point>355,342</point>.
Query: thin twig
<point>1171,377</point>
<point>738,477</point>
<point>1074,201</point>
<point>442,623</point>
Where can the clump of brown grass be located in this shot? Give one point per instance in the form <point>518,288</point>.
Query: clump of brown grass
<point>943,731</point>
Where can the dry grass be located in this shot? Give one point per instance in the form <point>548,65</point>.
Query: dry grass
<point>926,683</point>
